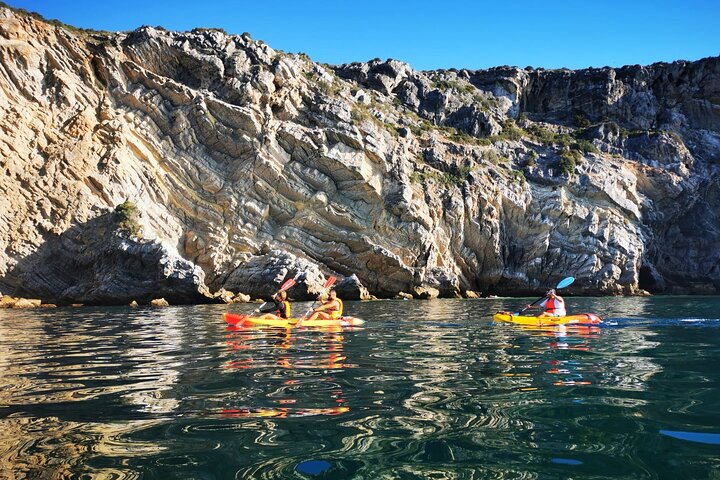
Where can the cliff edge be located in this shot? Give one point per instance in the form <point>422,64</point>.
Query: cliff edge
<point>247,164</point>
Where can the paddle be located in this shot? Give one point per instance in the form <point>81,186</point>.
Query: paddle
<point>561,284</point>
<point>287,285</point>
<point>328,283</point>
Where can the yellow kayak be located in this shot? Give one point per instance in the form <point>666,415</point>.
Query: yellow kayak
<point>579,319</point>
<point>246,321</point>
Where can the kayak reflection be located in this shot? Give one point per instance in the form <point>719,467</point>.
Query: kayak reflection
<point>306,357</point>
<point>558,338</point>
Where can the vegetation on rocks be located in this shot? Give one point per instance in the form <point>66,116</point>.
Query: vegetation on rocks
<point>450,179</point>
<point>127,216</point>
<point>518,176</point>
<point>585,147</point>
<point>568,161</point>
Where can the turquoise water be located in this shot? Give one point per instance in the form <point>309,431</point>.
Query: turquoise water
<point>427,390</point>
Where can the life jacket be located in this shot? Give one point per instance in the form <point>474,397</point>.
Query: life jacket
<point>284,311</point>
<point>555,306</point>
<point>336,312</point>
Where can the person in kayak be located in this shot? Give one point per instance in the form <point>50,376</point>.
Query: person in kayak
<point>279,308</point>
<point>331,309</point>
<point>554,305</point>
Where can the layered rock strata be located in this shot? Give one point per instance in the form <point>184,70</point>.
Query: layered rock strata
<point>249,165</point>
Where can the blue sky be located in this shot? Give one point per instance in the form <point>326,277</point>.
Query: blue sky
<point>431,35</point>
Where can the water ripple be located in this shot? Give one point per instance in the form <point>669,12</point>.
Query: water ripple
<point>442,393</point>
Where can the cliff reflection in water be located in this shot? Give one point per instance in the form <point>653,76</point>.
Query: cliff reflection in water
<point>47,367</point>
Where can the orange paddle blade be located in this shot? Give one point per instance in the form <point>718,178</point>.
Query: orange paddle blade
<point>289,283</point>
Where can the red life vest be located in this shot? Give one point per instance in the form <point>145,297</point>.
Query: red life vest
<point>555,305</point>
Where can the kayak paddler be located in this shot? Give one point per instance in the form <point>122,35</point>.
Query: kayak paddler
<point>331,309</point>
<point>554,305</point>
<point>279,308</point>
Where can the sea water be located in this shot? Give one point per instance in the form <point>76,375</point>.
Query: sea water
<point>427,389</point>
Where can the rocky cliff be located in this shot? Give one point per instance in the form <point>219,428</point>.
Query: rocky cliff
<point>248,164</point>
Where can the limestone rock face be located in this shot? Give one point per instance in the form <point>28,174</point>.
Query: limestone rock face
<point>264,274</point>
<point>250,166</point>
<point>95,264</point>
<point>350,288</point>
<point>426,293</point>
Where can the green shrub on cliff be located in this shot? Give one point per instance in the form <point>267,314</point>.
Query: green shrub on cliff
<point>463,137</point>
<point>582,121</point>
<point>391,129</point>
<point>461,173</point>
<point>208,29</point>
<point>454,178</point>
<point>485,101</point>
<point>517,176</point>
<point>422,126</point>
<point>126,216</point>
<point>531,158</point>
<point>511,131</point>
<point>360,113</point>
<point>563,140</point>
<point>568,162</point>
<point>330,89</point>
<point>541,134</point>
<point>548,137</point>
<point>585,147</point>
<point>445,85</point>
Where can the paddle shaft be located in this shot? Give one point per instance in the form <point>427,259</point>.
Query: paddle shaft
<point>533,303</point>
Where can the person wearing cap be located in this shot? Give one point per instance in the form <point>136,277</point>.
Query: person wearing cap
<point>553,304</point>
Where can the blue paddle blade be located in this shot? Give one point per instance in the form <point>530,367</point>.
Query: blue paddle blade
<point>565,282</point>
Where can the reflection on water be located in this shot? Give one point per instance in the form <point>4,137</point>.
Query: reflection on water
<point>427,390</point>
<point>297,352</point>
